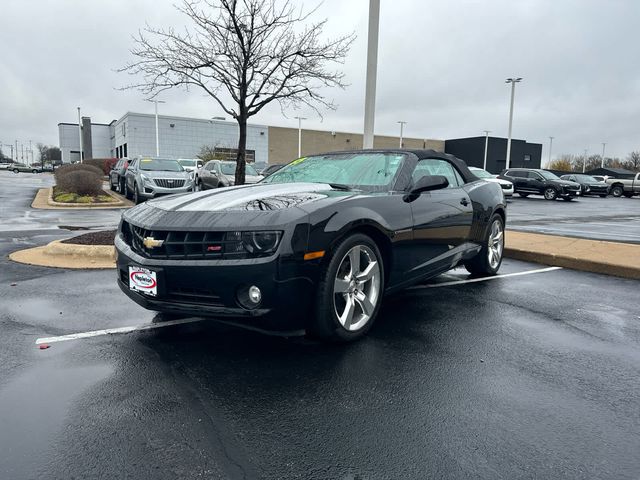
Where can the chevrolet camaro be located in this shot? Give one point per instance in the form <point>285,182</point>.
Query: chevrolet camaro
<point>315,245</point>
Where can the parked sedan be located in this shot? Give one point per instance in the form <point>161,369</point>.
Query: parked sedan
<point>117,175</point>
<point>506,185</point>
<point>317,244</point>
<point>588,184</point>
<point>535,181</point>
<point>21,167</point>
<point>217,173</point>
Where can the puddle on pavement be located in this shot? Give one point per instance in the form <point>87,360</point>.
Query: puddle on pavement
<point>35,406</point>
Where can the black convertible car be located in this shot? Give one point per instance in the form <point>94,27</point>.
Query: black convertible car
<point>315,245</point>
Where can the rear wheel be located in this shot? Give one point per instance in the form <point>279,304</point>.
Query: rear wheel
<point>127,192</point>
<point>350,291</point>
<point>34,171</point>
<point>112,187</point>
<point>15,170</point>
<point>488,260</point>
<point>523,195</point>
<point>550,193</point>
<point>121,187</point>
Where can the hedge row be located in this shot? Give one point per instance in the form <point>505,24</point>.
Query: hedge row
<point>103,164</point>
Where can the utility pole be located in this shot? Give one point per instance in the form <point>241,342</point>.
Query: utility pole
<point>550,145</point>
<point>300,135</point>
<point>372,68</point>
<point>80,134</point>
<point>486,147</point>
<point>402,124</point>
<point>513,82</point>
<point>30,151</point>
<point>602,159</point>
<point>584,162</point>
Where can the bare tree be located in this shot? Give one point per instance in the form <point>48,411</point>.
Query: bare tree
<point>245,54</point>
<point>563,164</point>
<point>633,161</point>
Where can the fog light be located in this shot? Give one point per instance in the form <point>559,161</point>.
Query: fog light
<point>255,295</point>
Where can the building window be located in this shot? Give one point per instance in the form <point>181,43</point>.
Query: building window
<point>123,129</point>
<point>527,158</point>
<point>125,150</point>
<point>232,154</point>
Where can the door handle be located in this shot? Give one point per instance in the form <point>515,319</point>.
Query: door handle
<point>464,202</point>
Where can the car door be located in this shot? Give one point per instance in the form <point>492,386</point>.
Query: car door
<point>519,180</point>
<point>442,221</point>
<point>131,174</point>
<point>206,175</point>
<point>536,182</point>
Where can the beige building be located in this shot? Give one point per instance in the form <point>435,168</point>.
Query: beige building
<point>283,143</point>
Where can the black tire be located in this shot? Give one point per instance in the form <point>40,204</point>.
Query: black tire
<point>136,195</point>
<point>34,171</point>
<point>604,195</point>
<point>550,193</point>
<point>481,265</point>
<point>121,187</point>
<point>127,192</point>
<point>617,191</point>
<point>111,186</point>
<point>15,170</point>
<point>523,195</point>
<point>325,324</point>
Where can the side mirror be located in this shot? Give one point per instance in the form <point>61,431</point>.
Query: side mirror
<point>426,183</point>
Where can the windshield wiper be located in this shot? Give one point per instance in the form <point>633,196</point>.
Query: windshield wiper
<point>341,186</point>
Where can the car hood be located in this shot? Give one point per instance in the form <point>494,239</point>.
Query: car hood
<point>245,206</point>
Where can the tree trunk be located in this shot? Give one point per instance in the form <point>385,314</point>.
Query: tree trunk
<point>242,147</point>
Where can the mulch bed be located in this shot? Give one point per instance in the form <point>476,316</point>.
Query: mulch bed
<point>105,237</point>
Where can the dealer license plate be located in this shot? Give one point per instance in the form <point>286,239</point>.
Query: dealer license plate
<point>143,280</point>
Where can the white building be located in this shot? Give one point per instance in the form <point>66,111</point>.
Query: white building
<point>179,137</point>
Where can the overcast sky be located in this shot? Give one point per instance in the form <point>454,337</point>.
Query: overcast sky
<point>441,67</point>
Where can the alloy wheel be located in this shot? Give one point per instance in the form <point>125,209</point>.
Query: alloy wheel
<point>495,243</point>
<point>356,289</point>
<point>550,194</point>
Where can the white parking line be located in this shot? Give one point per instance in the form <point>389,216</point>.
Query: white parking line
<point>168,323</point>
<point>484,279</point>
<point>110,331</point>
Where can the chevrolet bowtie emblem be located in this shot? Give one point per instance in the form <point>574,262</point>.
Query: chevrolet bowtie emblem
<point>151,242</point>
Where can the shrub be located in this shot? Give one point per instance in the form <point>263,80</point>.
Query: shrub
<point>62,170</point>
<point>82,182</point>
<point>104,164</point>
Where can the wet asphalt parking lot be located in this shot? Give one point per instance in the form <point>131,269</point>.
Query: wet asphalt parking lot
<point>534,375</point>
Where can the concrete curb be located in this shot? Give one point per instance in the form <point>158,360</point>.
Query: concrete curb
<point>595,256</point>
<point>68,255</point>
<point>43,201</point>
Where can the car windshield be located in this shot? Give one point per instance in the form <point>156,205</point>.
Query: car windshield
<point>548,175</point>
<point>160,164</point>
<point>480,173</point>
<point>363,171</point>
<point>586,178</point>
<point>187,163</point>
<point>229,168</point>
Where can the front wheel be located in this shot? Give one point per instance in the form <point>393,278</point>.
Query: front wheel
<point>112,187</point>
<point>550,193</point>
<point>350,290</point>
<point>34,171</point>
<point>15,170</point>
<point>617,191</point>
<point>136,194</point>
<point>488,260</point>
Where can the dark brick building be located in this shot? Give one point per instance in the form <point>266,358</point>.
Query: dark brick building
<point>471,150</point>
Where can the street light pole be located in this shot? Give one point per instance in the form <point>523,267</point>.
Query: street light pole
<point>402,124</point>
<point>550,145</point>
<point>513,82</point>
<point>584,161</point>
<point>156,102</point>
<point>372,67</point>
<point>602,159</point>
<point>80,133</point>
<point>300,135</point>
<point>486,148</point>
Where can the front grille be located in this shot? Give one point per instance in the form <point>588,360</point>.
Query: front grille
<point>169,182</point>
<point>201,296</point>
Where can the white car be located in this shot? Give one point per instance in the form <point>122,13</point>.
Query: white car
<point>5,165</point>
<point>191,164</point>
<point>507,186</point>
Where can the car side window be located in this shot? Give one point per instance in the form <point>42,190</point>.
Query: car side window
<point>436,166</point>
<point>516,174</point>
<point>132,165</point>
<point>534,175</point>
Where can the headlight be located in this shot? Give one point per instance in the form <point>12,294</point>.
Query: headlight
<point>144,178</point>
<point>261,242</point>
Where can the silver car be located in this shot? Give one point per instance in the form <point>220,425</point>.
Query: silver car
<point>149,177</point>
<point>217,173</point>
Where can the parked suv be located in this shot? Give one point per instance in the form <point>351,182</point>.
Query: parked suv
<point>116,175</point>
<point>217,173</point>
<point>149,177</point>
<point>533,181</point>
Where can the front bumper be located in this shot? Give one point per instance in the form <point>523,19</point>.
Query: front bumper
<point>210,288</point>
<point>150,190</point>
<point>595,189</point>
<point>569,191</point>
